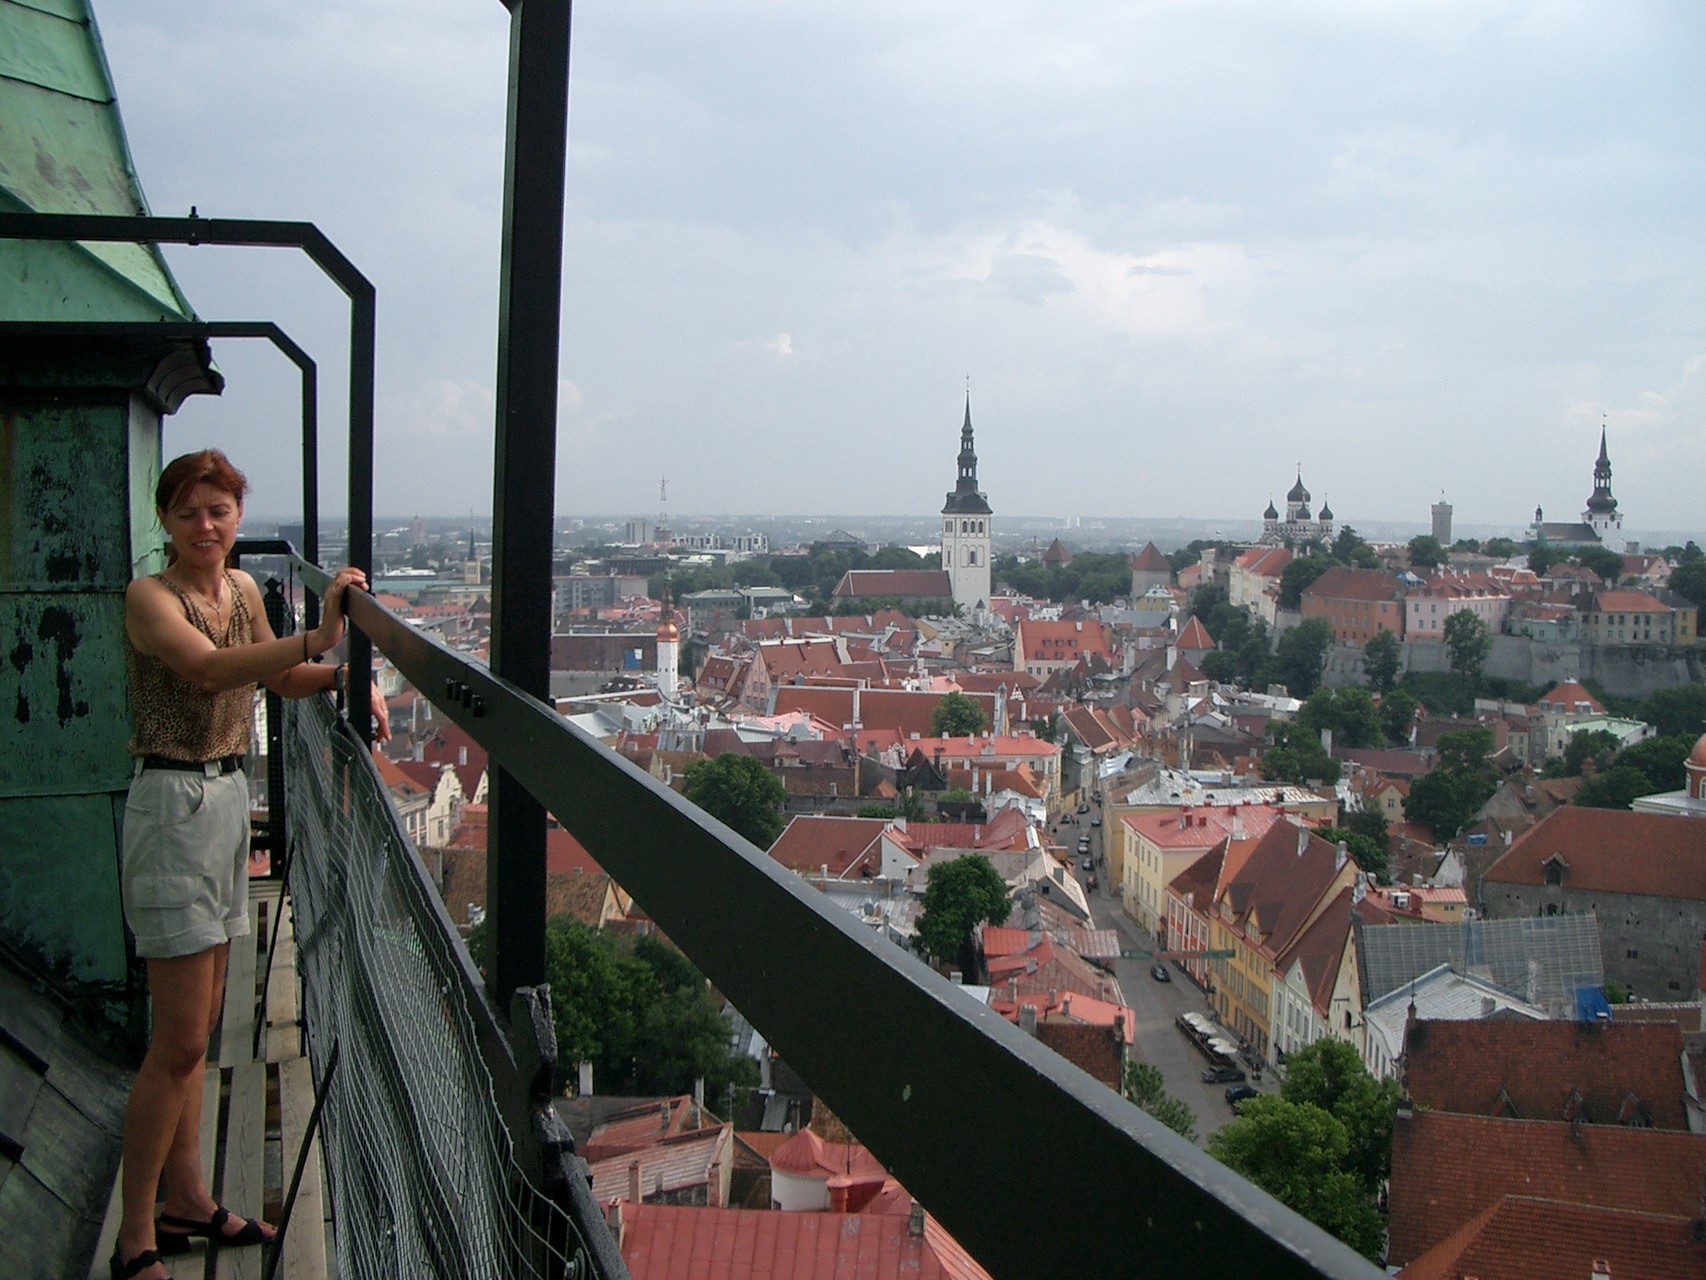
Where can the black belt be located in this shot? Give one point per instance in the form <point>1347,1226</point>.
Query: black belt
<point>225,764</point>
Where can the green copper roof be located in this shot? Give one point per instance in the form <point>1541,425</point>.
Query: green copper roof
<point>62,150</point>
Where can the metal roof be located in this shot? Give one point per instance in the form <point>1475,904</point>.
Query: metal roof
<point>63,150</point>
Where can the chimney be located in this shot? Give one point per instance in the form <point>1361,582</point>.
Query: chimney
<point>613,1220</point>
<point>583,1084</point>
<point>714,1185</point>
<point>634,1181</point>
<point>663,1117</point>
<point>1066,1004</point>
<point>1302,840</point>
<point>1237,825</point>
<point>462,755</point>
<point>838,1198</point>
<point>1488,1006</point>
<point>1341,857</point>
<point>698,1096</point>
<point>1028,1019</point>
<point>915,1220</point>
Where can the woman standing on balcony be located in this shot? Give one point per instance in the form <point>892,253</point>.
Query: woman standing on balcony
<point>196,644</point>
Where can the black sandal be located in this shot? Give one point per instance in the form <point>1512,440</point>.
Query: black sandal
<point>178,1241</point>
<point>135,1267</point>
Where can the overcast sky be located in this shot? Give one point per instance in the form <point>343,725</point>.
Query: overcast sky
<point>1177,248</point>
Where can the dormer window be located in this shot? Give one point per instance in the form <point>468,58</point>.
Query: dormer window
<point>1554,867</point>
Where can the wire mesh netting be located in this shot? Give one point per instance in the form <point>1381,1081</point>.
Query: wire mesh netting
<point>422,1173</point>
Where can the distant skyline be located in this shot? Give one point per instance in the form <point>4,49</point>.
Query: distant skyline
<point>1178,249</point>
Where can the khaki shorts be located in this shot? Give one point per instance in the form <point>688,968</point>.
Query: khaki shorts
<point>185,876</point>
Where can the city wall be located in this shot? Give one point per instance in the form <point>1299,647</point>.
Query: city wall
<point>1626,671</point>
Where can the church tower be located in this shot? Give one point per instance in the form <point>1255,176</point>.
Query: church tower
<point>669,650</point>
<point>1602,515</point>
<point>965,530</point>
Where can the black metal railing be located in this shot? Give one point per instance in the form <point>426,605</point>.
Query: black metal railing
<point>973,1116</point>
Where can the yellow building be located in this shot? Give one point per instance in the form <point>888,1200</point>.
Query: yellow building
<point>1289,879</point>
<point>1157,847</point>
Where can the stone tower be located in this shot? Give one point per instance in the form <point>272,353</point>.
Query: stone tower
<point>1601,514</point>
<point>965,530</point>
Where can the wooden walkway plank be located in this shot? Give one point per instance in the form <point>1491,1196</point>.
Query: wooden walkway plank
<point>237,1034</point>
<point>242,1174</point>
<point>305,1246</point>
<point>283,1038</point>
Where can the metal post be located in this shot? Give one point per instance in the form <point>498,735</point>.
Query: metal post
<point>525,463</point>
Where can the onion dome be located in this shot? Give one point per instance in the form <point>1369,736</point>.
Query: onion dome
<point>1697,757</point>
<point>668,632</point>
<point>1272,513</point>
<point>1326,512</point>
<point>1298,492</point>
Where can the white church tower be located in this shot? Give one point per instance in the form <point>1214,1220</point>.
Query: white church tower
<point>965,530</point>
<point>669,651</point>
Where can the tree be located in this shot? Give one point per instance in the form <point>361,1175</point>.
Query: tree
<point>1617,788</point>
<point>1368,854</point>
<point>1380,661</point>
<point>643,1016</point>
<point>1597,745</point>
<point>1661,760</point>
<point>1460,783</point>
<point>1145,1087</point>
<point>1689,580</point>
<point>1398,714</point>
<point>1501,548</point>
<point>739,791</point>
<point>1349,548</point>
<point>959,896</point>
<point>1425,552</point>
<point>1301,655</point>
<point>1542,558</point>
<point>1297,577</point>
<point>1603,561</point>
<point>1468,641</point>
<point>957,716</point>
<point>1330,1074</point>
<point>1349,713</point>
<point>1298,1153</point>
<point>1677,710</point>
<point>1297,757</point>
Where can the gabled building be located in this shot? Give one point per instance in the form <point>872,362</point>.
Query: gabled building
<point>1289,879</point>
<point>1357,602</point>
<point>1641,875</point>
<point>1150,569</point>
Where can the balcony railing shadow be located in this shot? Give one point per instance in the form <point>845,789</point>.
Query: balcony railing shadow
<point>1037,1169</point>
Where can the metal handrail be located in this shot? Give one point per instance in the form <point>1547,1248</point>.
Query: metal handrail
<point>973,1116</point>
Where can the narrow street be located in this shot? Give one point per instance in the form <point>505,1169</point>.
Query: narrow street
<point>1156,1004</point>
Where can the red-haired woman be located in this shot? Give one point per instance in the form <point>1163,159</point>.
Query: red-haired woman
<point>196,644</point>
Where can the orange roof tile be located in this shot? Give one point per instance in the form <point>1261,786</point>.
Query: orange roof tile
<point>1521,1238</point>
<point>1465,1066</point>
<point>1611,851</point>
<point>1435,1189</point>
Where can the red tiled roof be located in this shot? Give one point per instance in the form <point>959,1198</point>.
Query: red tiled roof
<point>1628,602</point>
<point>1611,851</point>
<point>1436,1188</point>
<point>682,1242</point>
<point>1521,1238</point>
<point>1320,949</point>
<point>1464,1066</point>
<point>1568,696</point>
<point>1195,635</point>
<point>1344,583</point>
<point>1150,560</point>
<point>913,583</point>
<point>1264,562</point>
<point>811,841</point>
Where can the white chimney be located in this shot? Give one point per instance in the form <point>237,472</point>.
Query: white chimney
<point>583,1083</point>
<point>634,1181</point>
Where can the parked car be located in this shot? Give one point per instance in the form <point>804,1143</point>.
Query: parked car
<point>1222,1075</point>
<point>1158,971</point>
<point>1239,1094</point>
<point>1087,865</point>
<point>1084,806</point>
<point>1096,821</point>
<point>1083,844</point>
